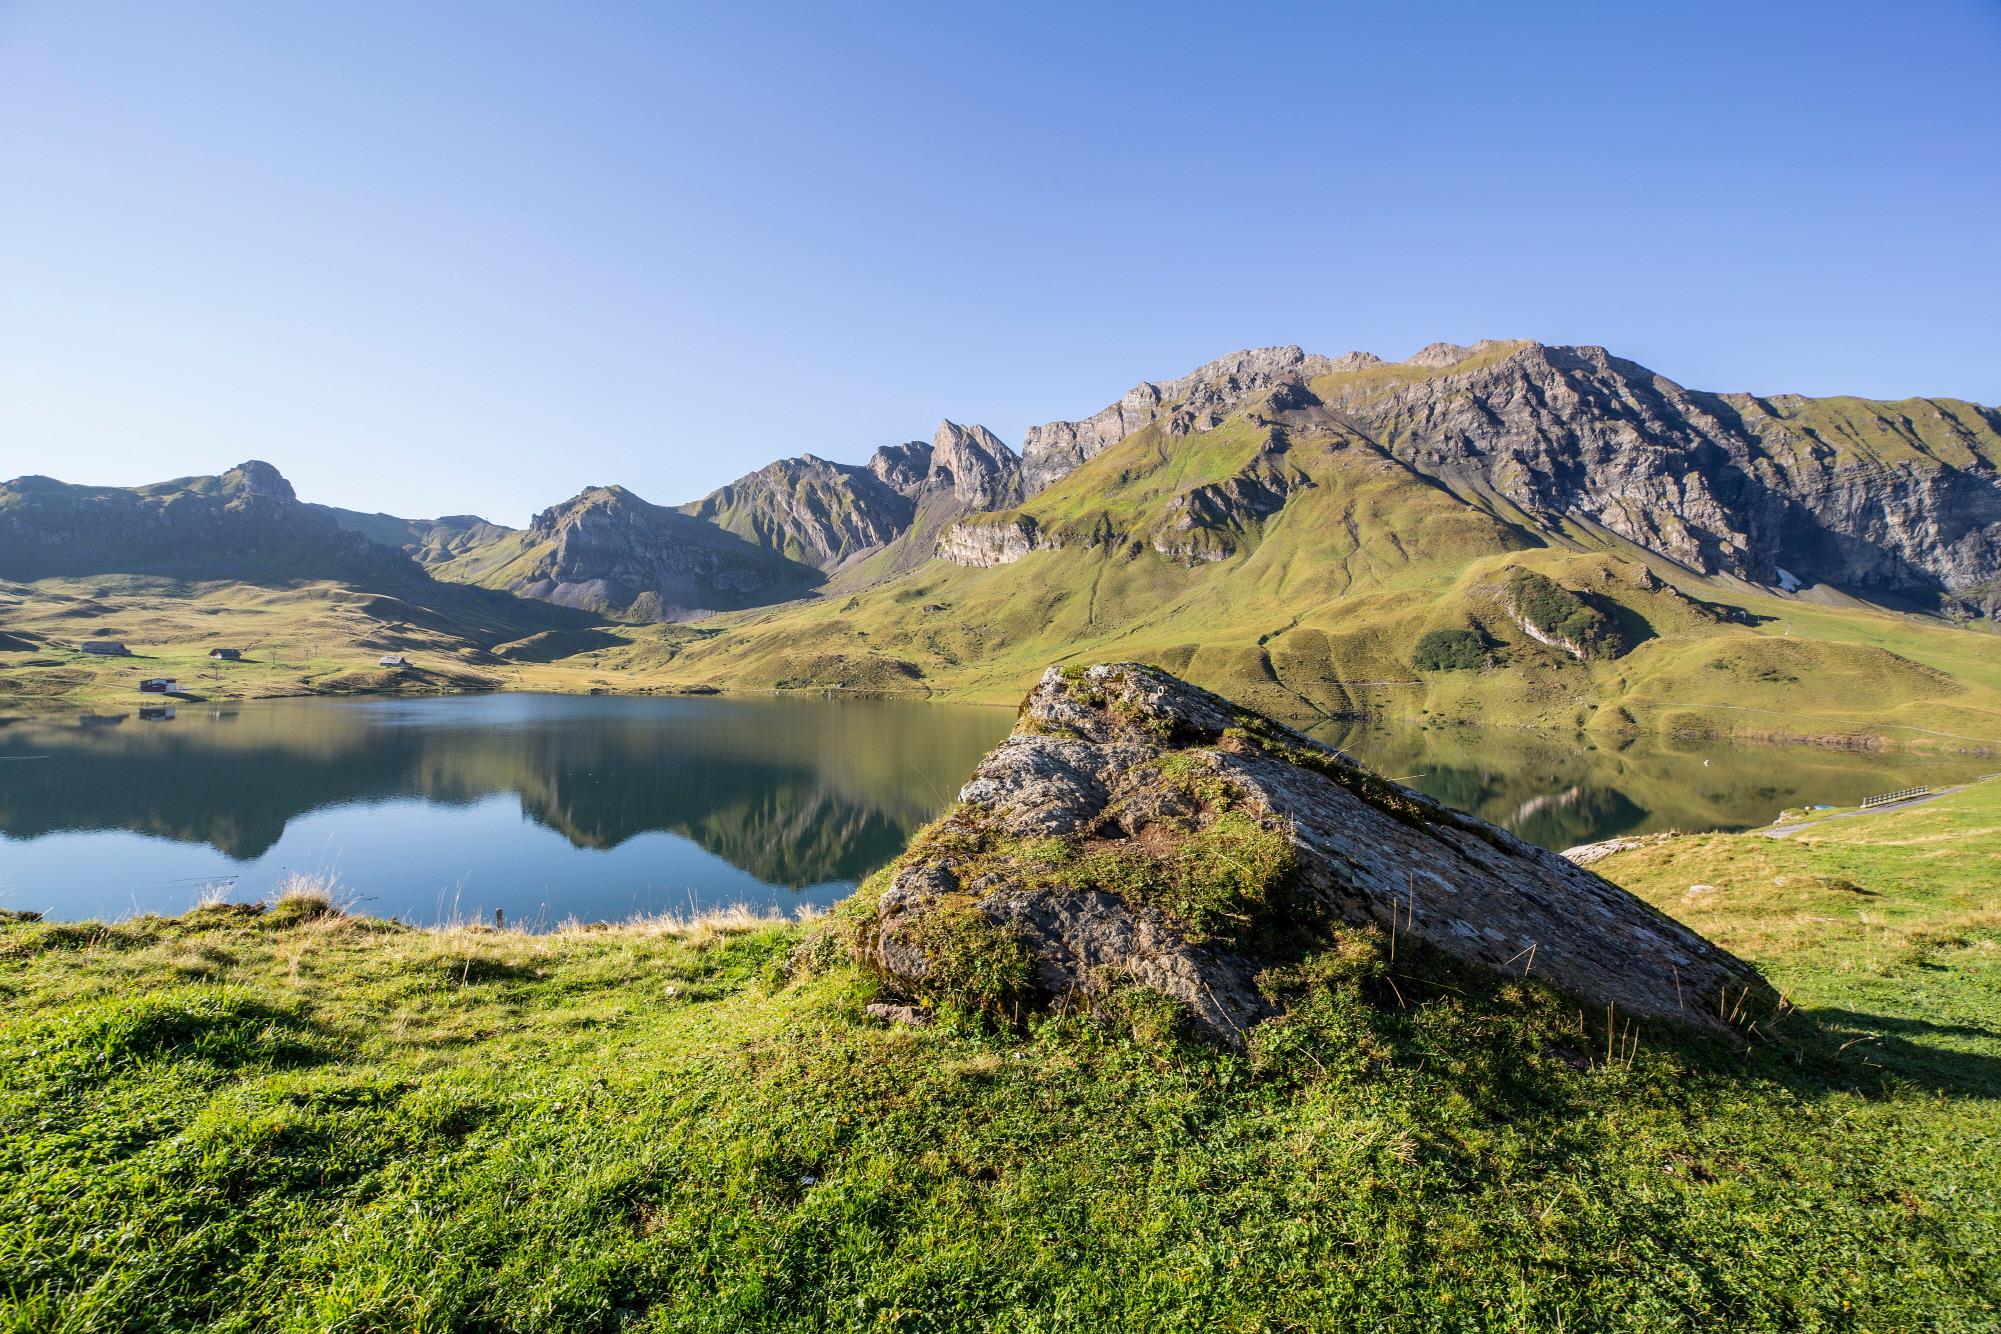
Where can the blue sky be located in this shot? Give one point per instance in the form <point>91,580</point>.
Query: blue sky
<point>452,257</point>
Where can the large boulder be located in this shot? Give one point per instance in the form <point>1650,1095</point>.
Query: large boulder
<point>1138,832</point>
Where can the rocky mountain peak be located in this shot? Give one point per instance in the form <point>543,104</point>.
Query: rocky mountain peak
<point>612,501</point>
<point>1195,401</point>
<point>1355,361</point>
<point>903,468</point>
<point>1438,355</point>
<point>1136,830</point>
<point>976,465</point>
<point>1443,356</point>
<point>809,509</point>
<point>254,477</point>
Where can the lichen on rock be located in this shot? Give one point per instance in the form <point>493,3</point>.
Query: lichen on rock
<point>1137,837</point>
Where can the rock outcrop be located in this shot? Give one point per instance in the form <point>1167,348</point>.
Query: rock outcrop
<point>984,543</point>
<point>1135,831</point>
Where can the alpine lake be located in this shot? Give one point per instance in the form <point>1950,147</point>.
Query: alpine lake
<point>546,808</point>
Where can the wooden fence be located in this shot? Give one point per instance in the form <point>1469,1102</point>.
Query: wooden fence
<point>1892,798</point>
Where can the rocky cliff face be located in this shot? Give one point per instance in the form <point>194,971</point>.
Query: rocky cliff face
<point>243,524</point>
<point>986,543</point>
<point>1138,832</point>
<point>818,513</point>
<point>969,463</point>
<point>1898,498</point>
<point>902,468</point>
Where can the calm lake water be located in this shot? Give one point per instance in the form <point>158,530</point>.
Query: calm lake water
<point>550,807</point>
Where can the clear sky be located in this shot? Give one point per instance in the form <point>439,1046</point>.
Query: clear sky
<point>444,257</point>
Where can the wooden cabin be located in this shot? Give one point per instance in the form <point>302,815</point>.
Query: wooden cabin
<point>392,660</point>
<point>157,685</point>
<point>103,648</point>
<point>226,654</point>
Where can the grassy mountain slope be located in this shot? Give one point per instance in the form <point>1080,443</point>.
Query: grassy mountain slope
<point>299,1120</point>
<point>175,569</point>
<point>242,524</point>
<point>296,638</point>
<point>1862,430</point>
<point>1317,605</point>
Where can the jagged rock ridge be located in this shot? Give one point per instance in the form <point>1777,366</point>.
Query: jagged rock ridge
<point>1197,400</point>
<point>1083,841</point>
<point>1897,498</point>
<point>1562,443</point>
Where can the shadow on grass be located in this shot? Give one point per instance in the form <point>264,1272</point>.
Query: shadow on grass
<point>1911,1050</point>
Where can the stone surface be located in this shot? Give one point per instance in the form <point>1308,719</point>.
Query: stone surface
<point>1085,765</point>
<point>908,1015</point>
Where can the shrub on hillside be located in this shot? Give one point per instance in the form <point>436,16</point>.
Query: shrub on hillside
<point>1449,651</point>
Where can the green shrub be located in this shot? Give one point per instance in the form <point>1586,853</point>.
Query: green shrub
<point>1450,651</point>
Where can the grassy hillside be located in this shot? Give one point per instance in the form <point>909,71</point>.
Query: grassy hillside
<point>293,1119</point>
<point>1279,557</point>
<point>311,637</point>
<point>1319,608</point>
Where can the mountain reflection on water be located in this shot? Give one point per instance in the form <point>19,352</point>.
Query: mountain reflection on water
<point>556,806</point>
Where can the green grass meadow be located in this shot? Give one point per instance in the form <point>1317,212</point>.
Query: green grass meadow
<point>293,1119</point>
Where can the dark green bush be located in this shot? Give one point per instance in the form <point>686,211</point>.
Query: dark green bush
<point>1450,650</point>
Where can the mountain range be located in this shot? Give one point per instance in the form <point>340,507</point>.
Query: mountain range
<point>1217,523</point>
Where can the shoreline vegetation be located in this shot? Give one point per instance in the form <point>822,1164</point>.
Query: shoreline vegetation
<point>288,1117</point>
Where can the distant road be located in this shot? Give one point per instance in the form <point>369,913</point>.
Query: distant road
<point>1782,830</point>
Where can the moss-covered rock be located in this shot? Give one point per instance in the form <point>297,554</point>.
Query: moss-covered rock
<point>1137,837</point>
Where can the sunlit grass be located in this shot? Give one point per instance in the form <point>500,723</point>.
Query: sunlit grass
<point>289,1119</point>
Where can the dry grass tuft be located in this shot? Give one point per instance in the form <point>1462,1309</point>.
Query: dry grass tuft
<point>711,924</point>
